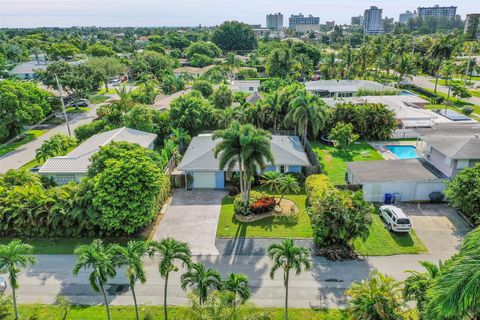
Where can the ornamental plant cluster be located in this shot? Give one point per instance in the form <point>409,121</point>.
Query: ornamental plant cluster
<point>337,216</point>
<point>260,202</point>
<point>121,195</point>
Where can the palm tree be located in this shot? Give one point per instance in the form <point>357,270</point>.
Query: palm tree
<point>170,251</point>
<point>272,180</point>
<point>404,66</point>
<point>130,256</point>
<point>417,283</point>
<point>446,70</point>
<point>272,104</point>
<point>246,147</point>
<point>181,137</point>
<point>455,293</point>
<point>13,257</point>
<point>288,184</point>
<point>305,110</point>
<point>238,285</point>
<point>442,49</point>
<point>379,297</point>
<point>287,256</point>
<point>201,280</point>
<point>100,259</point>
<point>124,101</point>
<point>346,54</point>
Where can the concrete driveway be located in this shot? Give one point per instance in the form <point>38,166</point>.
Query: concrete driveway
<point>439,226</point>
<point>192,217</point>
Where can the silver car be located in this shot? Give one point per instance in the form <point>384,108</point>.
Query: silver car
<point>3,284</point>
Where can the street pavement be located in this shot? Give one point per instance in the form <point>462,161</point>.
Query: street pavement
<point>424,82</point>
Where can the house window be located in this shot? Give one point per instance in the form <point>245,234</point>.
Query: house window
<point>250,88</point>
<point>462,164</point>
<point>282,169</point>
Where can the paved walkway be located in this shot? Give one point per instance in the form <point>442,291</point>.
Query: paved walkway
<point>192,217</point>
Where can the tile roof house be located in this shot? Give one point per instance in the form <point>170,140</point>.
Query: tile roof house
<point>74,165</point>
<point>200,163</point>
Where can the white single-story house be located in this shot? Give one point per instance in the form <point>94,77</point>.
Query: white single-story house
<point>200,164</point>
<point>74,166</point>
<point>408,179</point>
<point>27,70</point>
<point>250,86</point>
<point>342,88</point>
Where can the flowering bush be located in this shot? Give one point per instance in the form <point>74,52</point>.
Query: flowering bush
<point>259,202</point>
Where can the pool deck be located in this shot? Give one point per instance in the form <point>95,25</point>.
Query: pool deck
<point>387,154</point>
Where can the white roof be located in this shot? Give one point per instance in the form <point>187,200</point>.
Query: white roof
<point>343,85</point>
<point>78,160</point>
<point>286,150</point>
<point>29,67</point>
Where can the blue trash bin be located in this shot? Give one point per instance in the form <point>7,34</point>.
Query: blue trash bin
<point>388,198</point>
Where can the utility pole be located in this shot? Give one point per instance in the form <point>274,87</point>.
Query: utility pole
<point>59,86</point>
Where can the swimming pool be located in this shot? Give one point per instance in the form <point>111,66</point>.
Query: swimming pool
<point>403,152</point>
<point>406,93</point>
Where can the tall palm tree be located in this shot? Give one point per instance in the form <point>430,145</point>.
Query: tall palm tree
<point>171,251</point>
<point>130,257</point>
<point>246,147</point>
<point>238,285</point>
<point>346,54</point>
<point>377,297</point>
<point>201,280</point>
<point>441,49</point>
<point>447,70</point>
<point>288,184</point>
<point>307,109</point>
<point>13,257</point>
<point>272,105</point>
<point>455,293</point>
<point>124,101</point>
<point>404,66</point>
<point>181,137</point>
<point>100,259</point>
<point>288,257</point>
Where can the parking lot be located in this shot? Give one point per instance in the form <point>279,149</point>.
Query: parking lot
<point>439,226</point>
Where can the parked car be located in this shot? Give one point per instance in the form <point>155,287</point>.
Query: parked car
<point>35,169</point>
<point>395,219</point>
<point>3,284</point>
<point>79,103</point>
<point>115,82</point>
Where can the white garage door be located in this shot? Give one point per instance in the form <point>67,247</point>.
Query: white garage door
<point>204,180</point>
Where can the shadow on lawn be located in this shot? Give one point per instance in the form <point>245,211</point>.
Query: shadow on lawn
<point>403,239</point>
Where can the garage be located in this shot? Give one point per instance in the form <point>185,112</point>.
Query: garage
<point>204,179</point>
<point>410,179</point>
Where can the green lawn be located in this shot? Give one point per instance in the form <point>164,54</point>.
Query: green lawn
<point>334,162</point>
<point>96,99</point>
<point>476,109</point>
<point>77,109</point>
<point>103,91</point>
<point>443,82</point>
<point>273,227</point>
<point>382,242</point>
<point>53,312</point>
<point>63,245</point>
<point>29,136</point>
<point>475,93</point>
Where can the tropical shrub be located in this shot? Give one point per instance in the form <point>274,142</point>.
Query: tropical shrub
<point>204,86</point>
<point>316,185</point>
<point>342,135</point>
<point>467,110</point>
<point>87,130</point>
<point>261,202</point>
<point>222,97</point>
<point>463,193</point>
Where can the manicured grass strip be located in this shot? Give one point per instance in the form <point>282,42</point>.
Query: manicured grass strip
<point>62,245</point>
<point>97,99</point>
<point>382,242</point>
<point>272,227</point>
<point>53,312</point>
<point>29,136</point>
<point>434,107</point>
<point>334,162</point>
<point>77,109</point>
<point>103,91</point>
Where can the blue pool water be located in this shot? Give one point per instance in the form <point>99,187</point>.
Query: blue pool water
<point>406,93</point>
<point>404,152</point>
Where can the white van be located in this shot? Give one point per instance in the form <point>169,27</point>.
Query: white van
<point>395,219</point>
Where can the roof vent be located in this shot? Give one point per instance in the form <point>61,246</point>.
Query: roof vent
<point>477,135</point>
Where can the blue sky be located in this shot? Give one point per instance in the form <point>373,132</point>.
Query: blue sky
<point>36,13</point>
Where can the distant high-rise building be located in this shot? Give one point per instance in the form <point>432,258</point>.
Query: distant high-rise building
<point>404,17</point>
<point>330,24</point>
<point>472,26</point>
<point>372,21</point>
<point>357,20</point>
<point>300,19</point>
<point>437,11</point>
<point>275,21</point>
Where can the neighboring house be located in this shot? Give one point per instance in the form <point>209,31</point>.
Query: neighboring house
<point>408,109</point>
<point>27,70</point>
<point>250,86</point>
<point>450,148</point>
<point>74,166</point>
<point>253,98</point>
<point>408,180</point>
<point>342,88</point>
<point>193,71</point>
<point>200,164</point>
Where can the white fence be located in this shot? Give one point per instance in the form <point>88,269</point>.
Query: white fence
<point>404,134</point>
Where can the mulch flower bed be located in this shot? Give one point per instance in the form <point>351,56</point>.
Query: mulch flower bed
<point>286,208</point>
